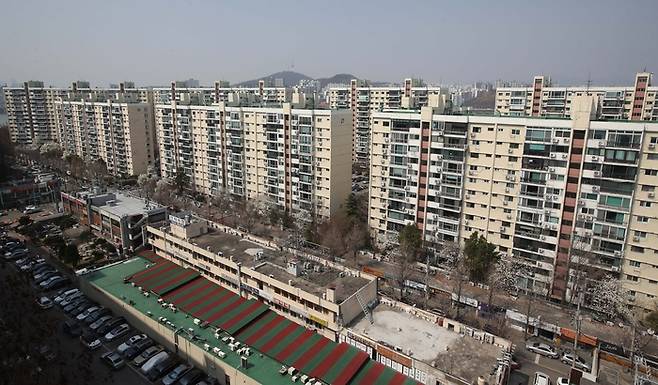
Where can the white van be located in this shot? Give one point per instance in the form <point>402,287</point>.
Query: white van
<point>542,379</point>
<point>156,359</point>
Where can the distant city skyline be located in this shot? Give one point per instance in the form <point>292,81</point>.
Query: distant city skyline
<point>450,43</point>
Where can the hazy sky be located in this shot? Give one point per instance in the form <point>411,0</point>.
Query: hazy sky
<point>155,41</point>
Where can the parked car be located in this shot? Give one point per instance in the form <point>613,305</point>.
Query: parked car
<point>178,372</point>
<point>81,308</point>
<point>90,341</point>
<point>154,360</point>
<point>100,322</point>
<point>38,268</point>
<point>562,381</point>
<point>45,303</point>
<point>86,313</point>
<point>541,379</point>
<point>70,298</point>
<point>93,317</point>
<point>567,358</point>
<point>129,342</point>
<point>191,377</point>
<point>113,360</point>
<point>111,324</point>
<point>47,281</point>
<point>31,210</point>
<point>161,368</point>
<point>543,349</point>
<point>74,304</point>
<point>57,283</point>
<point>72,328</point>
<point>40,276</point>
<point>117,332</point>
<point>147,354</point>
<point>16,254</point>
<point>137,348</point>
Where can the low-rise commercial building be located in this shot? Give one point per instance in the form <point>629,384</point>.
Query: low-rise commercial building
<point>233,339</point>
<point>116,217</point>
<point>312,291</point>
<point>543,190</point>
<point>295,158</point>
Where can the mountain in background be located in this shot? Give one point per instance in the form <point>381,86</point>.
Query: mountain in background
<point>292,78</point>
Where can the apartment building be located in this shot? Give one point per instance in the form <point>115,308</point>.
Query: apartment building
<point>296,158</point>
<point>31,111</point>
<point>119,133</point>
<point>222,92</point>
<point>363,100</point>
<point>556,193</point>
<point>636,102</point>
<point>312,291</point>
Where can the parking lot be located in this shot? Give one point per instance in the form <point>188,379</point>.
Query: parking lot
<point>38,348</point>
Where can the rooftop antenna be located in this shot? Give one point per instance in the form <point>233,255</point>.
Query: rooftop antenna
<point>589,81</point>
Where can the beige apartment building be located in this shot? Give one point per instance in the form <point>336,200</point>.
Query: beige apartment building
<point>119,133</point>
<point>297,158</point>
<point>636,102</point>
<point>31,110</point>
<point>542,190</point>
<point>314,292</point>
<point>222,92</point>
<point>363,100</point>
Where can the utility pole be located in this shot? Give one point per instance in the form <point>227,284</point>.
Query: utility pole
<point>427,278</point>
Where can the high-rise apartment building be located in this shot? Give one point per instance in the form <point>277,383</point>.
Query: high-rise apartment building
<point>221,92</point>
<point>31,113</point>
<point>120,133</point>
<point>296,158</point>
<point>636,102</point>
<point>363,100</point>
<point>554,193</point>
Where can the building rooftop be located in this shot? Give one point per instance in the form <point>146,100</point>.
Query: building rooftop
<point>124,205</point>
<point>311,277</point>
<point>273,340</point>
<point>445,349</point>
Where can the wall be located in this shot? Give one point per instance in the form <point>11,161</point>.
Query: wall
<point>350,308</point>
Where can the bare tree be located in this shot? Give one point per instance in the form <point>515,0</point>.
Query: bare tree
<point>454,259</point>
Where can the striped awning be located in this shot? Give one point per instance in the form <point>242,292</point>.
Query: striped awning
<point>374,373</point>
<point>163,276</point>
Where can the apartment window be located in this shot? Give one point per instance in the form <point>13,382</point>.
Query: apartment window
<point>634,263</point>
<point>653,140</point>
<point>651,172</point>
<point>637,249</point>
<point>645,204</point>
<point>477,129</point>
<point>648,188</point>
<point>516,131</point>
<point>641,234</point>
<point>632,278</point>
<point>643,219</point>
<point>490,129</point>
<point>476,155</point>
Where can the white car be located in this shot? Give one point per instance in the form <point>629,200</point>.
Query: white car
<point>567,358</point>
<point>117,332</point>
<point>543,349</point>
<point>542,379</point>
<point>65,294</point>
<point>86,313</point>
<point>45,303</point>
<point>131,341</point>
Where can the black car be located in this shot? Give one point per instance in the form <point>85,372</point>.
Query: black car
<point>137,348</point>
<point>77,302</point>
<point>81,308</point>
<point>72,328</point>
<point>162,368</point>
<point>191,377</point>
<point>91,318</point>
<point>109,325</point>
<point>39,267</point>
<point>57,284</point>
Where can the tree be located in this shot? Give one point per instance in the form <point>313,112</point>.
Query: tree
<point>69,254</point>
<point>75,165</point>
<point>181,180</point>
<point>352,206</point>
<point>6,152</point>
<point>147,184</point>
<point>356,239</point>
<point>24,220</point>
<point>481,257</point>
<point>455,260</point>
<point>97,171</point>
<point>410,241</point>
